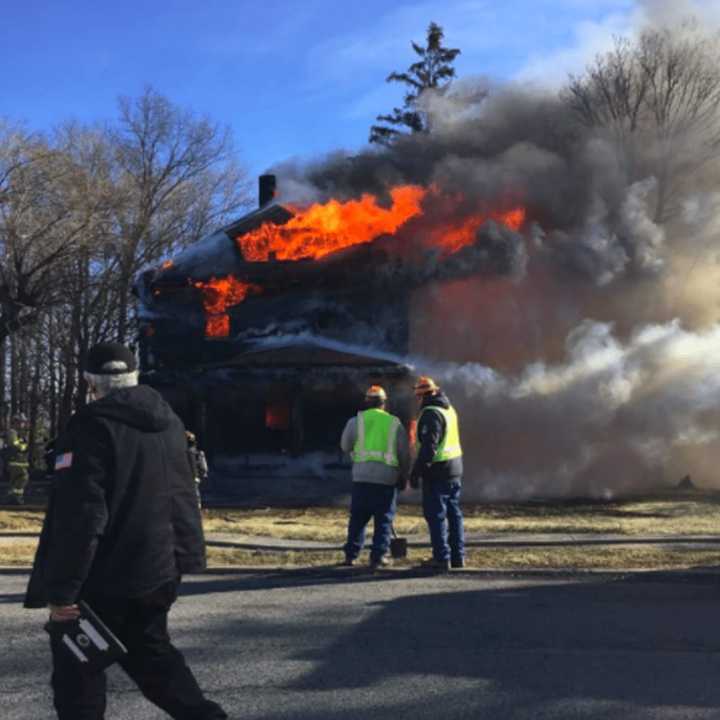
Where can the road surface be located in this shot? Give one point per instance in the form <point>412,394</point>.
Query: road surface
<point>345,644</point>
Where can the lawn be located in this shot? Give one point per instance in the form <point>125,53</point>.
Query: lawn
<point>671,515</point>
<point>690,514</point>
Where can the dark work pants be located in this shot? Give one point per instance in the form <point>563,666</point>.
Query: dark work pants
<point>152,662</point>
<point>441,507</point>
<point>371,500</point>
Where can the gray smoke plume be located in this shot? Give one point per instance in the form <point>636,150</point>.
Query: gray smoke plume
<point>583,352</point>
<point>614,418</point>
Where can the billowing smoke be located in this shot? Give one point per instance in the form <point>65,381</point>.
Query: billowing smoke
<point>613,418</point>
<point>584,358</point>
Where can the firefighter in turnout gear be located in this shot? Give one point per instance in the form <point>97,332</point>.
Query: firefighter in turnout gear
<point>15,455</point>
<point>439,467</point>
<point>380,452</point>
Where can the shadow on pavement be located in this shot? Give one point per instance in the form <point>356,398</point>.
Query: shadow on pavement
<point>259,579</point>
<point>639,641</point>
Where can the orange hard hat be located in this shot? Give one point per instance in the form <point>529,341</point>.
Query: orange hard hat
<point>376,391</point>
<point>425,386</point>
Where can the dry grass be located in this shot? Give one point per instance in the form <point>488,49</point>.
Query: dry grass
<point>671,515</point>
<point>20,553</point>
<point>658,516</point>
<point>21,520</point>
<point>17,553</point>
<point>616,557</point>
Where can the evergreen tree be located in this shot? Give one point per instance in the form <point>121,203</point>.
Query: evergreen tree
<point>433,70</point>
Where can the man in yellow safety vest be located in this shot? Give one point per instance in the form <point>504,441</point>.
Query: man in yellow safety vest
<point>379,447</point>
<point>440,467</point>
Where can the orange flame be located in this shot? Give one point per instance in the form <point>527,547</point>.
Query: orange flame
<point>217,325</point>
<point>323,229</point>
<point>221,293</point>
<point>218,295</point>
<point>412,434</point>
<point>453,238</point>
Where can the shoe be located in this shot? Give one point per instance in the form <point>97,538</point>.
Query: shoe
<point>436,565</point>
<point>457,564</point>
<point>381,562</point>
<point>348,562</point>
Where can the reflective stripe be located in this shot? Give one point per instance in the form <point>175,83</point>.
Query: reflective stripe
<point>390,457</point>
<point>74,649</point>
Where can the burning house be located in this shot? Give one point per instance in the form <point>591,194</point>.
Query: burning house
<point>264,335</point>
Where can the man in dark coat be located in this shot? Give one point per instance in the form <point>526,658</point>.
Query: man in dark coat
<point>122,526</point>
<point>439,465</point>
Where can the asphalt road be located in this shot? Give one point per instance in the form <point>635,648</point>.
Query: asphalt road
<point>341,645</point>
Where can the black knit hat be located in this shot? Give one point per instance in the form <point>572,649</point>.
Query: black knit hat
<point>110,358</point>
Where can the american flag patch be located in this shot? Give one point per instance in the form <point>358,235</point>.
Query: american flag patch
<point>64,461</point>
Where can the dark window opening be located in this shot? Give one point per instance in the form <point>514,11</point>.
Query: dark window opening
<point>324,415</point>
<point>277,415</point>
<point>245,422</point>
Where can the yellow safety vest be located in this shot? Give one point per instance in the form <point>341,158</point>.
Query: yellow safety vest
<point>449,447</point>
<point>376,434</point>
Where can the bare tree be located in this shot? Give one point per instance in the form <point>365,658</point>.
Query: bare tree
<point>47,205</point>
<point>81,212</point>
<point>177,176</point>
<point>659,99</point>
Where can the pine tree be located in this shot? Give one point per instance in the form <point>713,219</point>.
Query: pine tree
<point>433,70</point>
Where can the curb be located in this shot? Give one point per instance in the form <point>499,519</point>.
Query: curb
<point>397,573</point>
<point>296,546</point>
<point>241,545</point>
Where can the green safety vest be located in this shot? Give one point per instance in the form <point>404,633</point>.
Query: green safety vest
<point>376,433</point>
<point>449,447</point>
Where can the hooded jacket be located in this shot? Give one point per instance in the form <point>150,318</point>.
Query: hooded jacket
<point>122,518</point>
<point>430,432</point>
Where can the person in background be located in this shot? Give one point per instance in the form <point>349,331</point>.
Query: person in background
<point>121,528</point>
<point>439,467</point>
<point>15,456</point>
<point>380,453</point>
<point>198,463</point>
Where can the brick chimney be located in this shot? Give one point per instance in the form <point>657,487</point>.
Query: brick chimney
<point>267,185</point>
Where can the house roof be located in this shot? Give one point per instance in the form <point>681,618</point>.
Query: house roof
<point>218,254</point>
<point>314,351</point>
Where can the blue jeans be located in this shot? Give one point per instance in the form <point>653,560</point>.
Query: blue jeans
<point>441,507</point>
<point>371,500</point>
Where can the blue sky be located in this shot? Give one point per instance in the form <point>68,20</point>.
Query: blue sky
<point>292,79</point>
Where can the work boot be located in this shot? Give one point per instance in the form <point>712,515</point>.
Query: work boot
<point>381,562</point>
<point>435,565</point>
